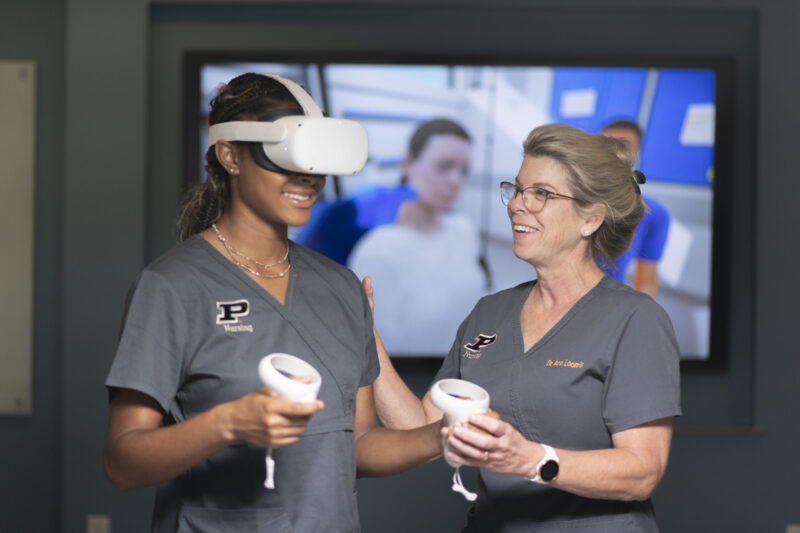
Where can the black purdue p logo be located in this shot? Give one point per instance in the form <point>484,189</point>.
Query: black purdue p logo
<point>230,312</point>
<point>480,342</point>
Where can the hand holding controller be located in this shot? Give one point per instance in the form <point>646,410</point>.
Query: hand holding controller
<point>292,379</point>
<point>459,399</point>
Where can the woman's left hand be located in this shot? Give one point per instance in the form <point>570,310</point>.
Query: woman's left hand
<point>498,446</point>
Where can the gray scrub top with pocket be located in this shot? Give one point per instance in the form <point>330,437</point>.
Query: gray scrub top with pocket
<point>195,328</point>
<point>611,363</point>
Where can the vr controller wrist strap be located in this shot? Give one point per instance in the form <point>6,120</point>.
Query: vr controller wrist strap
<point>269,481</point>
<point>458,486</point>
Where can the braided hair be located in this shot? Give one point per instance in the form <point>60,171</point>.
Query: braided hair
<point>247,96</point>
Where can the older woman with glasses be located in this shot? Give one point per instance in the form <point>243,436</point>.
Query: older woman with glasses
<point>582,369</point>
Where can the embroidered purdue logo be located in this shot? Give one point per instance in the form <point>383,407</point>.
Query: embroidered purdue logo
<point>231,312</point>
<point>473,349</point>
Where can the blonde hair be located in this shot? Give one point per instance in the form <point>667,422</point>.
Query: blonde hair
<point>599,170</point>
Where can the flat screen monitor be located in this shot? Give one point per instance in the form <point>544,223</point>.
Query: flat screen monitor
<point>426,281</point>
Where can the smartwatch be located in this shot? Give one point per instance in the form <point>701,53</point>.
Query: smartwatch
<point>547,469</point>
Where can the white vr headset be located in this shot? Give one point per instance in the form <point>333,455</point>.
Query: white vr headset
<point>308,143</point>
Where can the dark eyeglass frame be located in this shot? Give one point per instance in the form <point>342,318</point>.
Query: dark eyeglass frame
<point>507,185</point>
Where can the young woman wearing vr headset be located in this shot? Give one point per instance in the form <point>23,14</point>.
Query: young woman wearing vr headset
<point>188,412</point>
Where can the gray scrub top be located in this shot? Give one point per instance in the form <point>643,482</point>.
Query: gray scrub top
<point>195,328</point>
<point>611,363</point>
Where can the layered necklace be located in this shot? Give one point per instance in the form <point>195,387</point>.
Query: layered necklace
<point>235,255</point>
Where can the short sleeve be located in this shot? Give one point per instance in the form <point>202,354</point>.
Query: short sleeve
<point>644,380</point>
<point>655,236</point>
<point>149,355</point>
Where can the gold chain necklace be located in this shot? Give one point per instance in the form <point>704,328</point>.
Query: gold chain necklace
<point>246,258</point>
<point>233,253</point>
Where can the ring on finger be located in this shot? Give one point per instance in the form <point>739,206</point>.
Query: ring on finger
<point>485,455</point>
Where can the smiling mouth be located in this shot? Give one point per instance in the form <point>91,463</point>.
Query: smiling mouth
<point>298,197</point>
<point>523,229</point>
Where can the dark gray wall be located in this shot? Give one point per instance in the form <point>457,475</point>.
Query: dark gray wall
<point>30,446</point>
<point>104,203</point>
<point>108,176</point>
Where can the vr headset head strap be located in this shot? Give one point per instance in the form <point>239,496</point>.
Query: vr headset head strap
<point>245,130</point>
<point>263,131</point>
<point>257,148</point>
<point>309,106</point>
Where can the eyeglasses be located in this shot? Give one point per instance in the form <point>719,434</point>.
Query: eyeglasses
<point>534,198</point>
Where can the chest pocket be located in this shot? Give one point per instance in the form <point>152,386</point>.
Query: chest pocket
<point>560,391</point>
<point>340,366</point>
<point>497,370</point>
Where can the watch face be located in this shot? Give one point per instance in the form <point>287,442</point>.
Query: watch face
<point>549,471</point>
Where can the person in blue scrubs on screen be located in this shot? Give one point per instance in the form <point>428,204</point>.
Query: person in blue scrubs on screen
<point>336,226</point>
<point>427,260</point>
<point>650,238</point>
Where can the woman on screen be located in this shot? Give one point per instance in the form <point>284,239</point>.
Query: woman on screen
<point>582,369</point>
<point>188,411</point>
<point>426,264</point>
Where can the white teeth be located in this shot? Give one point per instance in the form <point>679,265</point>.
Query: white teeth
<point>526,229</point>
<point>299,197</point>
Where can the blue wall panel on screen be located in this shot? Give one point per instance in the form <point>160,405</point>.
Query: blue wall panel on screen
<point>587,98</point>
<point>679,142</point>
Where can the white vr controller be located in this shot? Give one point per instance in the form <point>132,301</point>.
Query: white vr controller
<point>280,372</point>
<point>287,375</point>
<point>459,399</point>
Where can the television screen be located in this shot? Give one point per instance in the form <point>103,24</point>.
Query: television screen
<point>430,265</point>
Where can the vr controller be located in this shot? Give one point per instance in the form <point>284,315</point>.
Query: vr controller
<point>287,375</point>
<point>304,142</point>
<point>280,372</point>
<point>459,399</point>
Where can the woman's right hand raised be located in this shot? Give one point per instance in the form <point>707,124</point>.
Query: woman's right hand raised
<point>263,419</point>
